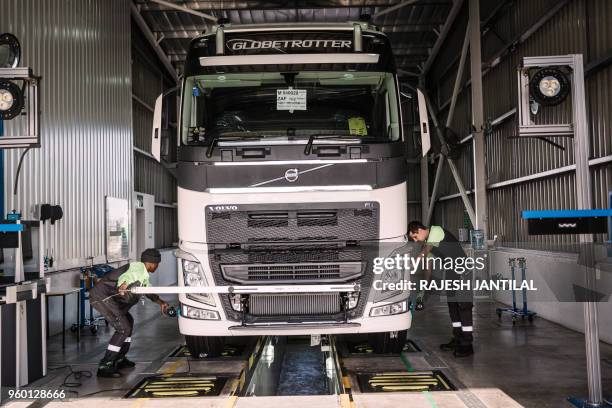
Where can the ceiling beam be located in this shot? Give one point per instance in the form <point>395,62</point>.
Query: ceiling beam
<point>393,8</point>
<point>185,33</point>
<point>186,10</point>
<point>252,5</point>
<point>408,28</point>
<point>144,28</point>
<point>191,31</point>
<point>452,15</point>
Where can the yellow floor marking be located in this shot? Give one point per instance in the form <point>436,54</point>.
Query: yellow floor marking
<point>173,367</point>
<point>175,393</point>
<point>154,390</point>
<point>382,384</point>
<point>346,381</point>
<point>231,402</point>
<point>345,401</point>
<point>443,382</point>
<point>179,380</point>
<point>405,388</point>
<point>139,402</point>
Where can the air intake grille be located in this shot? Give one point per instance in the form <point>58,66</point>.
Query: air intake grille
<point>300,304</point>
<point>320,272</point>
<point>293,222</point>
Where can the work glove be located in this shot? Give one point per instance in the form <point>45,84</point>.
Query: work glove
<point>420,301</point>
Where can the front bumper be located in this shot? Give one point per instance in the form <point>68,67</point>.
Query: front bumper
<point>191,327</point>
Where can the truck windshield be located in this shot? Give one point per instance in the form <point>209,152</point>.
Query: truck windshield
<point>290,106</point>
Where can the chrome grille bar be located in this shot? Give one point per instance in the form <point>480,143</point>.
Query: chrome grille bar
<point>299,304</point>
<point>285,272</point>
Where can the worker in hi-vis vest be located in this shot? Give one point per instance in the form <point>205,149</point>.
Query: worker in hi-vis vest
<point>112,298</point>
<point>438,242</point>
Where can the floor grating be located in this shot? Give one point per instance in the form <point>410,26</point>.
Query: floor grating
<point>178,385</point>
<point>417,381</point>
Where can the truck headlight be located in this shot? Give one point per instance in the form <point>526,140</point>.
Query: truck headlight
<point>392,276</point>
<point>193,275</point>
<point>387,279</point>
<point>199,314</point>
<point>390,309</point>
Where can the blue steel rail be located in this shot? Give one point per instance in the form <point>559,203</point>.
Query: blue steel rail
<point>539,214</point>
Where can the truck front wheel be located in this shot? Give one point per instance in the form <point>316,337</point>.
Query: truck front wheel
<point>204,346</point>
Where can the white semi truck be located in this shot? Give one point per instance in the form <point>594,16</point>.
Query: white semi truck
<point>291,179</point>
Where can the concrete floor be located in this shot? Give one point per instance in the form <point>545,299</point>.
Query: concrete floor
<point>530,365</point>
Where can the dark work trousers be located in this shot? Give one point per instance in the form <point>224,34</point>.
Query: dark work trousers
<point>119,317</point>
<point>460,305</point>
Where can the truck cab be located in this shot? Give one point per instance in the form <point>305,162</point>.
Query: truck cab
<point>291,179</point>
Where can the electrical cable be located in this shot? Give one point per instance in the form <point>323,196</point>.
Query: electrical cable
<point>105,390</point>
<point>78,374</point>
<point>19,169</point>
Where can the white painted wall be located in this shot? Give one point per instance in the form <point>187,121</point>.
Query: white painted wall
<point>82,50</point>
<point>551,271</point>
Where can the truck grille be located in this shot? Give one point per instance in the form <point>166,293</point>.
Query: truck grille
<point>320,272</point>
<point>251,223</point>
<point>294,304</point>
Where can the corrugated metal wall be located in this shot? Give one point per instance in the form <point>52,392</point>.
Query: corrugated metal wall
<point>149,176</point>
<point>581,26</point>
<point>82,51</point>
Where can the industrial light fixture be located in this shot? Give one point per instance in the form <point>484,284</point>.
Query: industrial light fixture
<point>11,100</point>
<point>10,51</point>
<point>549,86</point>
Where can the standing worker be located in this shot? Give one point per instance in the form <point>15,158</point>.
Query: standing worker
<point>442,244</point>
<point>112,298</point>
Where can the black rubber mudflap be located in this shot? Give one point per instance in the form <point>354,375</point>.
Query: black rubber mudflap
<point>178,386</point>
<point>417,381</point>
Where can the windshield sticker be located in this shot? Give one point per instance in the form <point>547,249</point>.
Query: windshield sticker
<point>357,126</point>
<point>291,99</point>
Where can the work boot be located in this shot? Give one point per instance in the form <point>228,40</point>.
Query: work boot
<point>463,351</point>
<point>450,346</point>
<point>123,362</point>
<point>108,369</point>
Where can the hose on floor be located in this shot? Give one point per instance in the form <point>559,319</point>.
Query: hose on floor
<point>78,375</point>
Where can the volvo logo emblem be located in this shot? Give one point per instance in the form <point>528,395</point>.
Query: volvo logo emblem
<point>292,175</point>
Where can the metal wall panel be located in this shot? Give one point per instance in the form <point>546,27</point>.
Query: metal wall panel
<point>581,26</point>
<point>82,51</point>
<point>166,227</point>
<point>150,176</point>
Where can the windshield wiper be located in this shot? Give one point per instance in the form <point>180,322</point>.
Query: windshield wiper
<point>312,138</point>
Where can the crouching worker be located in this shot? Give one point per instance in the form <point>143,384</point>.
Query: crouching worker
<point>438,242</point>
<point>112,299</point>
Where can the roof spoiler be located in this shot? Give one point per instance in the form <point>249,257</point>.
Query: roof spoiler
<point>358,28</point>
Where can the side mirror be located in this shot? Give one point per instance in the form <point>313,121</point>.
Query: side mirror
<point>157,128</point>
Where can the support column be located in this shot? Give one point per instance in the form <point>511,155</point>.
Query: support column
<point>480,175</point>
<point>584,201</point>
